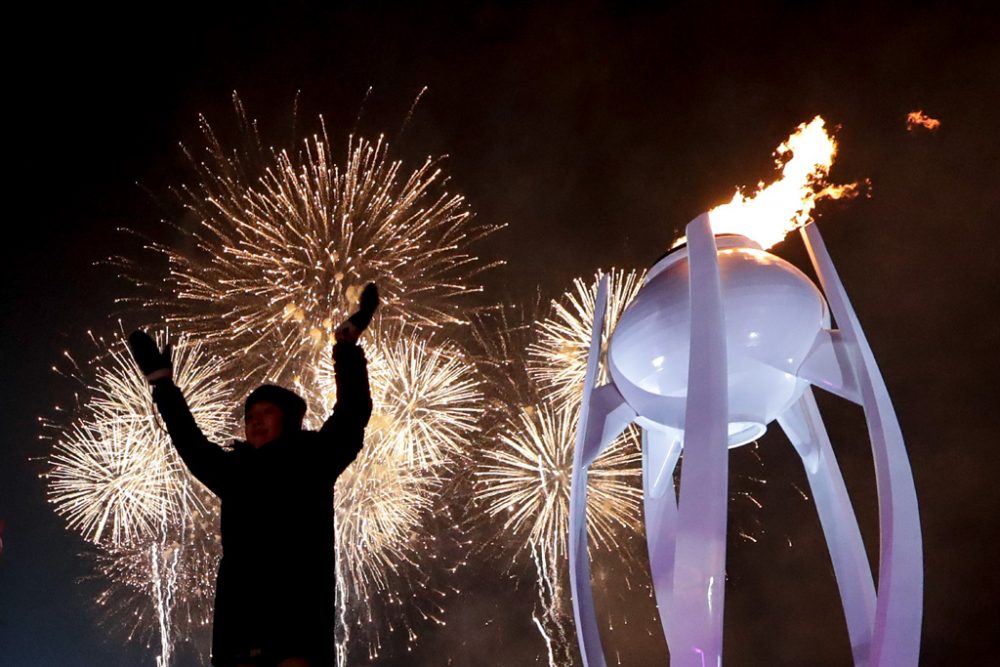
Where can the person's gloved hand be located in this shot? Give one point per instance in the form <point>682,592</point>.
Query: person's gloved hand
<point>351,330</point>
<point>153,363</point>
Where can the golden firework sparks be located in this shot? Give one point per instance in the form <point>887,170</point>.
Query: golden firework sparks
<point>526,481</point>
<point>557,360</point>
<point>275,247</point>
<point>117,479</point>
<point>427,405</point>
<point>114,475</point>
<point>429,400</point>
<point>158,590</point>
<point>523,474</point>
<point>281,242</point>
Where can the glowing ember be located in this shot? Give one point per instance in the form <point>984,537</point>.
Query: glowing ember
<point>768,215</point>
<point>918,118</point>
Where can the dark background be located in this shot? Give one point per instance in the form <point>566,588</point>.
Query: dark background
<point>596,132</point>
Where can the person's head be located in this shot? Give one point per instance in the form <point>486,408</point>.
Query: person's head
<point>271,411</point>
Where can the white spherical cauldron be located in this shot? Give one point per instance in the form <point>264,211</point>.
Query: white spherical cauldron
<point>773,315</point>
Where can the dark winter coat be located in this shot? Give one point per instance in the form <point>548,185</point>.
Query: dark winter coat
<point>275,589</point>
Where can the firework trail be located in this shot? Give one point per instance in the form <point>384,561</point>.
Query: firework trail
<point>159,590</point>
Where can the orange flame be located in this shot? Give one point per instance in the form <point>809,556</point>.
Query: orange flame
<point>774,210</point>
<point>918,118</point>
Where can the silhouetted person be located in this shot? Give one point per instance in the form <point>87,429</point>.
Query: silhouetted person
<point>275,593</point>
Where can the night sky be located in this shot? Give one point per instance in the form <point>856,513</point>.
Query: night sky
<point>595,133</point>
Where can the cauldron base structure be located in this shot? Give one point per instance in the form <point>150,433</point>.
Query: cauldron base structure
<point>686,536</point>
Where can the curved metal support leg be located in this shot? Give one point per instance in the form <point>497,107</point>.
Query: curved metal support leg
<point>898,611</point>
<point>700,562</point>
<point>587,632</point>
<point>804,427</point>
<point>660,451</point>
<point>608,416</point>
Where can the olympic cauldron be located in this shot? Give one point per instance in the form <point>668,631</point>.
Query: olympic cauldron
<point>723,339</point>
<point>773,314</point>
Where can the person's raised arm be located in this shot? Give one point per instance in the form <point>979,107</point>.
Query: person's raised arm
<point>343,432</point>
<point>206,461</point>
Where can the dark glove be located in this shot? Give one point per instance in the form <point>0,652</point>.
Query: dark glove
<point>366,307</point>
<point>153,363</point>
<point>350,331</point>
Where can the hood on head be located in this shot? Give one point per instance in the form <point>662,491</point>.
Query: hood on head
<point>291,404</point>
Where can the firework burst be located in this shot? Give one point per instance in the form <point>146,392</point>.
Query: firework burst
<point>108,484</point>
<point>527,476</point>
<point>273,251</point>
<point>116,478</point>
<point>523,479</point>
<point>557,360</point>
<point>114,474</point>
<point>426,402</point>
<point>426,398</point>
<point>282,242</point>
